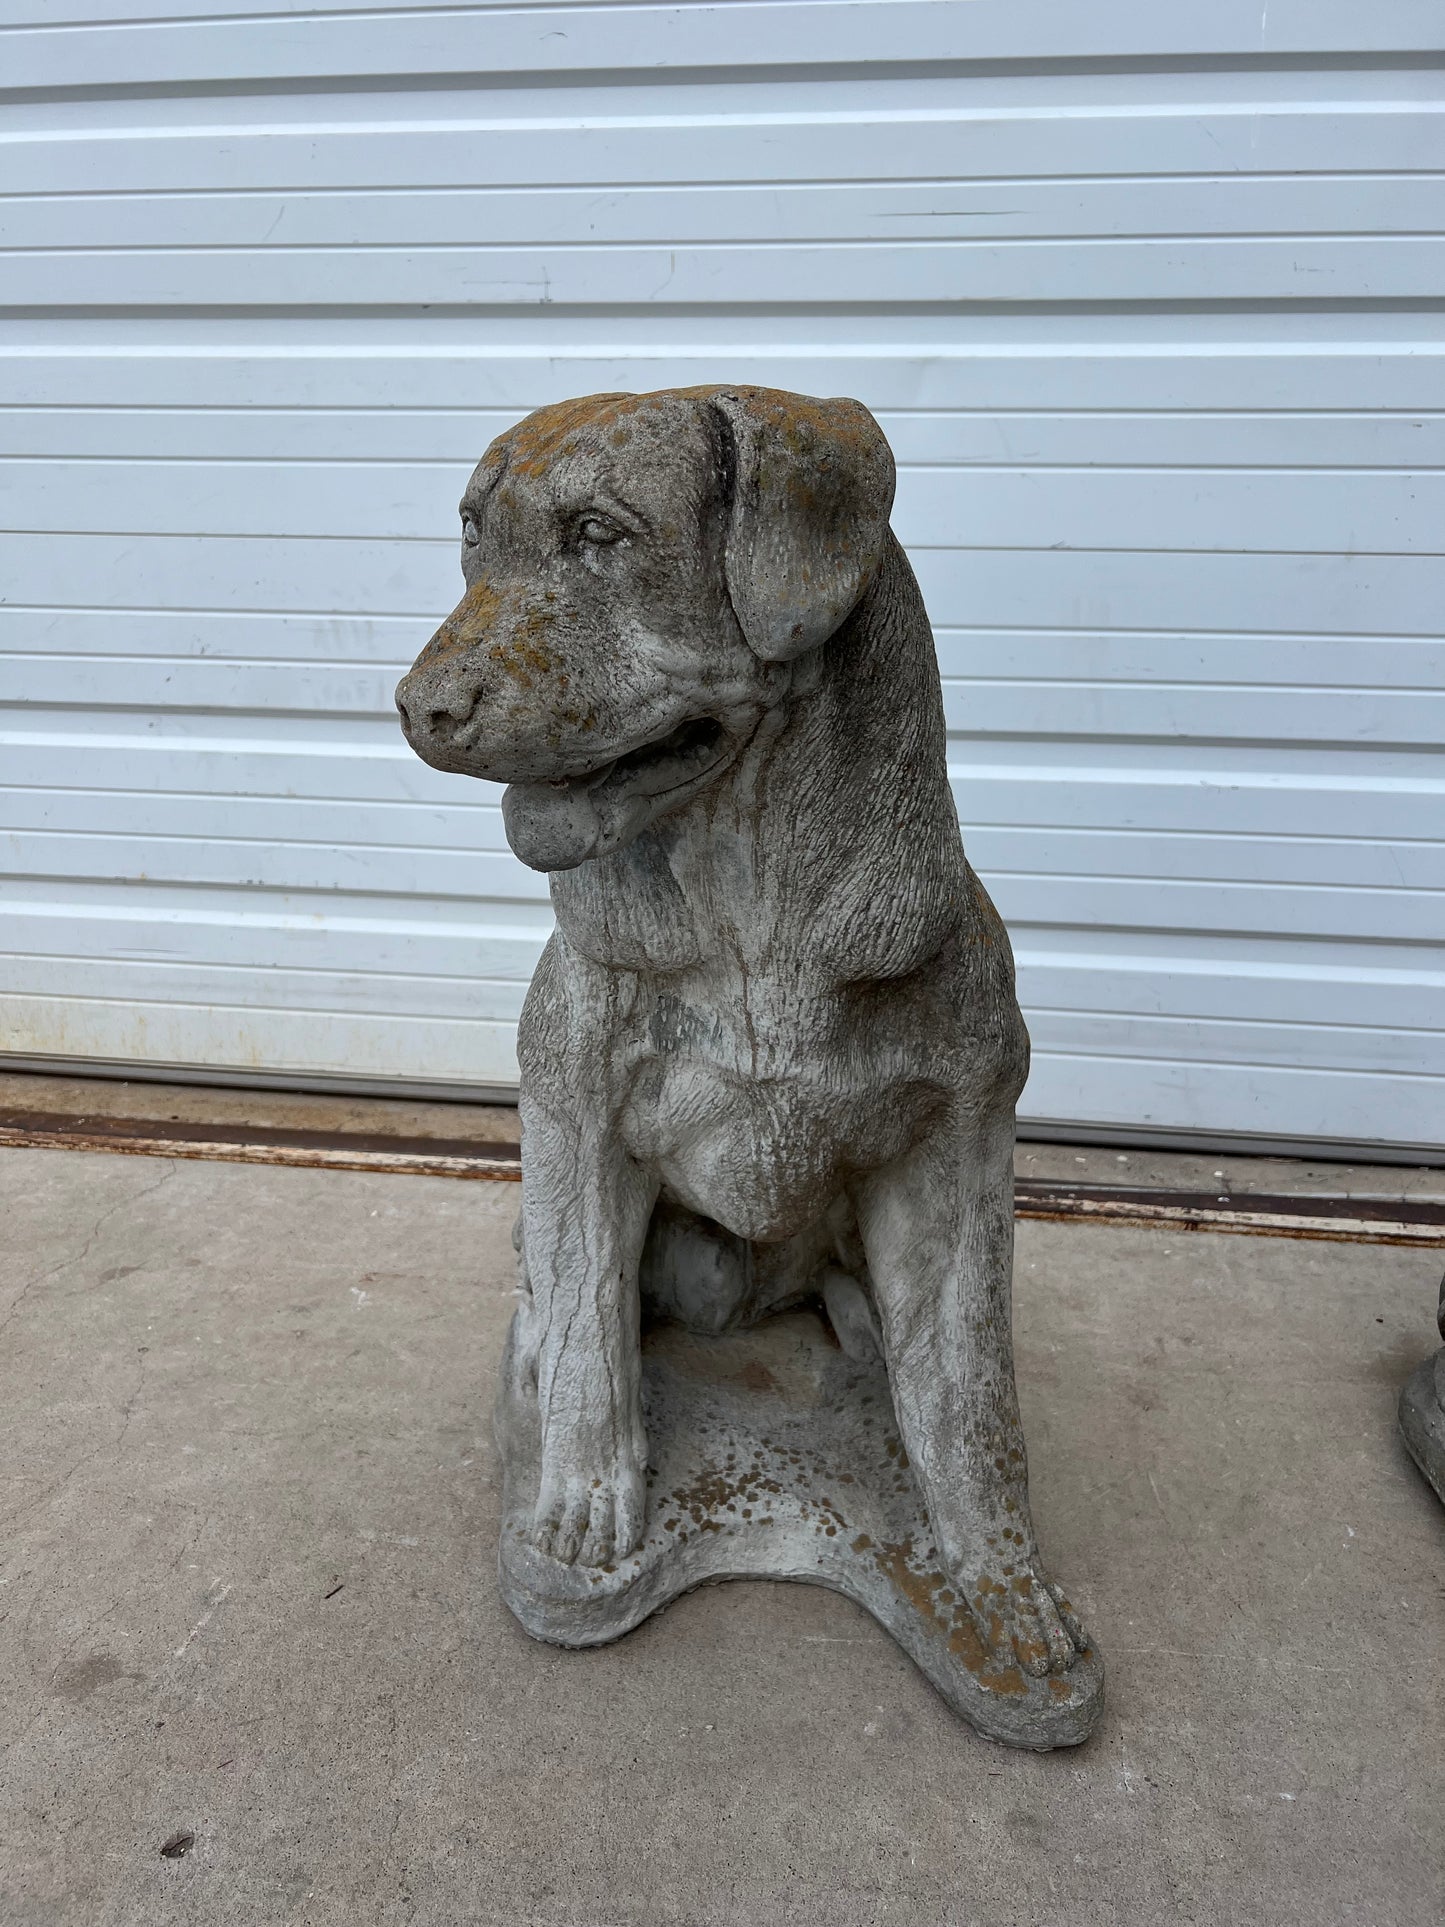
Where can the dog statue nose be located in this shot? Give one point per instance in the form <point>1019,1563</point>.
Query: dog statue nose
<point>418,719</point>
<point>432,710</point>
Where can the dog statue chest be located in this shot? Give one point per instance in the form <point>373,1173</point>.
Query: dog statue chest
<point>737,1092</point>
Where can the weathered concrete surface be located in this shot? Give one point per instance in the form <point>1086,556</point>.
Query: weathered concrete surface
<point>226,1391</point>
<point>774,1029</point>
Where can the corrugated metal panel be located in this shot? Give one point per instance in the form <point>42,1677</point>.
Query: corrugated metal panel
<point>1147,299</point>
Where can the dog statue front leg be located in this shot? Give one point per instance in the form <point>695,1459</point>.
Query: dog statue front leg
<point>938,1230</point>
<point>585,1211</point>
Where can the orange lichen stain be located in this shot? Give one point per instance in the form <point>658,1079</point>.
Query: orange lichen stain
<point>799,421</point>
<point>918,1588</point>
<point>925,1592</point>
<point>862,1543</point>
<point>723,1490</point>
<point>552,432</point>
<point>1060,1688</point>
<point>799,437</point>
<point>1008,1680</point>
<point>466,626</point>
<point>521,656</point>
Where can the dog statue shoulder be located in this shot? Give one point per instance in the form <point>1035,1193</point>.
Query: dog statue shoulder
<point>769,1058</point>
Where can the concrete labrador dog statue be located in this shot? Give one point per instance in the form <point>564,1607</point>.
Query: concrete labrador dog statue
<point>772,1051</point>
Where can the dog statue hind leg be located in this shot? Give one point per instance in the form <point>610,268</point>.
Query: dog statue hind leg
<point>938,1226</point>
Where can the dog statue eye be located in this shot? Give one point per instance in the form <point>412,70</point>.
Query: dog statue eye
<point>469,532</point>
<point>598,531</point>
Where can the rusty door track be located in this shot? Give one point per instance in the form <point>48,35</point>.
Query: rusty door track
<point>1362,1220</point>
<point>436,1157</point>
<point>1390,1221</point>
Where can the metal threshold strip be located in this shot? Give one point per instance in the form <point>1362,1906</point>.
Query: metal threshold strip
<point>435,1157</point>
<point>1259,1214</point>
<point>1361,1220</point>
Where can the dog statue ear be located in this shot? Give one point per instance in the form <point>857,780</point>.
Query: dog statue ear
<point>811,494</point>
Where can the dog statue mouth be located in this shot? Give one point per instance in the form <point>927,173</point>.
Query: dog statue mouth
<point>658,768</point>
<point>558,823</point>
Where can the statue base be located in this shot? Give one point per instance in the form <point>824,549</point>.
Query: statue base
<point>1422,1420</point>
<point>774,1455</point>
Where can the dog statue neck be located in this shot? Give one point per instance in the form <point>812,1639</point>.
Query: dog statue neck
<point>829,850</point>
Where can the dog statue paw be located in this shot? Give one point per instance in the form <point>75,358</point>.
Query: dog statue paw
<point>769,1057</point>
<point>591,1521</point>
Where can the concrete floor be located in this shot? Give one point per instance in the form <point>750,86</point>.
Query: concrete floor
<point>247,1518</point>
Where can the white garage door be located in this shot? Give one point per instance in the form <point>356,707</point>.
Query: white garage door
<point>1146,296</point>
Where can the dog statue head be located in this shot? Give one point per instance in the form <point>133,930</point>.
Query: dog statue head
<point>641,570</point>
